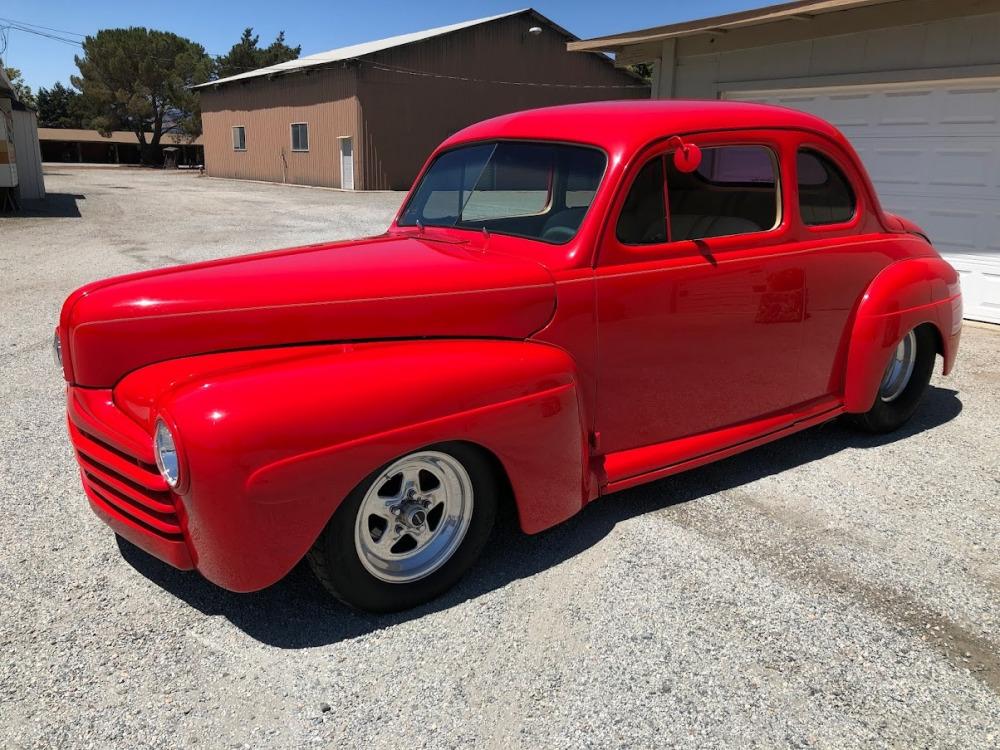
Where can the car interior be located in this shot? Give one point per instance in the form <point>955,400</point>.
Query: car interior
<point>532,190</point>
<point>733,191</point>
<point>825,194</point>
<point>735,195</point>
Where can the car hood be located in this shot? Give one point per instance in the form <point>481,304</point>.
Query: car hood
<point>387,287</point>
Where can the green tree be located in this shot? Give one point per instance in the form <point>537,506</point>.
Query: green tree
<point>60,107</point>
<point>21,90</point>
<point>643,70</point>
<point>247,54</point>
<point>139,80</point>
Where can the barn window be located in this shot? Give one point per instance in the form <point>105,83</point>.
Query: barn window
<point>825,195</point>
<point>239,138</point>
<point>300,136</point>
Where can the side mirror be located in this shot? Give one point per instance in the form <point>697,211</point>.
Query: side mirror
<point>687,156</point>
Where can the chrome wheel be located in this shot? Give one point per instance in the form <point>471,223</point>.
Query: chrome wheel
<point>413,517</point>
<point>897,374</point>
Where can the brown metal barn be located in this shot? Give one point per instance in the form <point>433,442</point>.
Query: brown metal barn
<point>365,117</point>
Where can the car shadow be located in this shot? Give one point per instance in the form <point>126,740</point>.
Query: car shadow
<point>297,612</point>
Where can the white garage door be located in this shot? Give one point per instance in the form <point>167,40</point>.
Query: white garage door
<point>933,152</point>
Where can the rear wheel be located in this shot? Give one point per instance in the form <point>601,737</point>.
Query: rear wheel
<point>410,530</point>
<point>903,383</point>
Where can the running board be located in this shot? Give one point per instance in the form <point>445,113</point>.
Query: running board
<point>628,468</point>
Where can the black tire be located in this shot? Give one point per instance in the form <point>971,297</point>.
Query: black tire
<point>335,561</point>
<point>887,416</point>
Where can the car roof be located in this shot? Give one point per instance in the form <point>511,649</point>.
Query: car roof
<point>622,127</point>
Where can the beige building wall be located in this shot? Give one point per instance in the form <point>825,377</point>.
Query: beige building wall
<point>898,41</point>
<point>326,100</point>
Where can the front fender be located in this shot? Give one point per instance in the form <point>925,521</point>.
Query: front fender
<point>904,295</point>
<point>275,439</point>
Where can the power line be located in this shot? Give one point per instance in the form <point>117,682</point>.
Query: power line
<point>39,26</point>
<point>427,74</point>
<point>10,25</point>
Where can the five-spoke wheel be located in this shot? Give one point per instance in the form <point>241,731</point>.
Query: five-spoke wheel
<point>410,530</point>
<point>414,516</point>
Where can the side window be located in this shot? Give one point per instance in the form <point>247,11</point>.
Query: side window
<point>825,195</point>
<point>300,136</point>
<point>643,219</point>
<point>733,191</point>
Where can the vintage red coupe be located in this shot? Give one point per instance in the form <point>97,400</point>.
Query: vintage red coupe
<point>571,301</point>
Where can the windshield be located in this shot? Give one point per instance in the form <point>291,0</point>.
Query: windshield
<point>537,190</point>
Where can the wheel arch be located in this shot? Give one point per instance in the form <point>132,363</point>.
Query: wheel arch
<point>905,295</point>
<point>508,504</point>
<point>268,472</point>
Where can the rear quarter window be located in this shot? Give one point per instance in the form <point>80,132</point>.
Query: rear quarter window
<point>825,193</point>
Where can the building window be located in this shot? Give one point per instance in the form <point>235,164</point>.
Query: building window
<point>300,136</point>
<point>239,138</point>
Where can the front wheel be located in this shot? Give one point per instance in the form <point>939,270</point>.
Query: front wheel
<point>903,383</point>
<point>410,530</point>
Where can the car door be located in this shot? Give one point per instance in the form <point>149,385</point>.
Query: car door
<point>842,247</point>
<point>699,307</point>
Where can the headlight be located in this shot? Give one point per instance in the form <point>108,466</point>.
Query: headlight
<point>57,349</point>
<point>167,460</point>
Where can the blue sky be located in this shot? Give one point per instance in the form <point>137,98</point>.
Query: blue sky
<point>317,26</point>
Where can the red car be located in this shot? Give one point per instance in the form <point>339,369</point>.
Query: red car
<point>571,301</point>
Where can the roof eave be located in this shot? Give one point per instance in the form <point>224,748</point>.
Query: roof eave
<point>800,9</point>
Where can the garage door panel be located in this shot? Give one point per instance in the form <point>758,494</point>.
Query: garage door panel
<point>910,107</point>
<point>954,229</point>
<point>990,295</point>
<point>933,153</point>
<point>971,106</point>
<point>963,167</point>
<point>896,166</point>
<point>980,287</point>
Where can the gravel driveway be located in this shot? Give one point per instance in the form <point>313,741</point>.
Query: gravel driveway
<point>827,590</point>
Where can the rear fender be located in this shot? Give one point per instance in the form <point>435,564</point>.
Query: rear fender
<point>904,295</point>
<point>276,439</point>
<point>901,224</point>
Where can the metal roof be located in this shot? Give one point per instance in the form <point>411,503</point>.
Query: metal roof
<point>801,10</point>
<point>360,50</point>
